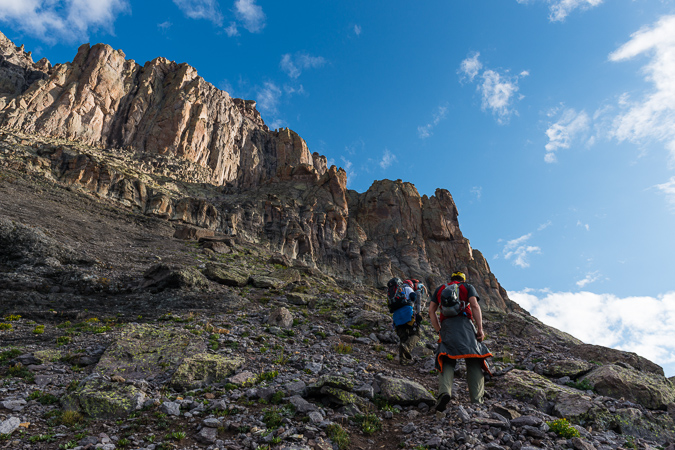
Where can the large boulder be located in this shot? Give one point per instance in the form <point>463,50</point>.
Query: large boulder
<point>148,352</point>
<point>645,388</point>
<point>402,391</point>
<point>604,355</point>
<point>572,368</point>
<point>549,397</point>
<point>281,317</point>
<point>370,320</point>
<point>224,274</point>
<point>101,399</point>
<point>204,369</point>
<point>632,422</point>
<point>22,244</point>
<point>163,276</point>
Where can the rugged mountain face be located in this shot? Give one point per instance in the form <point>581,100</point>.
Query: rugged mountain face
<point>118,130</point>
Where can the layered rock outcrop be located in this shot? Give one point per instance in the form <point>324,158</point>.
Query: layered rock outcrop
<point>152,132</point>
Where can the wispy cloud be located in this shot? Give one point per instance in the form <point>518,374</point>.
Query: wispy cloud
<point>560,9</point>
<point>608,320</point>
<point>232,30</point>
<point>357,30</point>
<point>387,159</point>
<point>349,169</point>
<point>668,189</point>
<point>653,116</point>
<point>51,20</point>
<point>268,97</point>
<point>250,15</point>
<point>424,131</point>
<point>590,278</point>
<point>293,65</point>
<point>561,134</point>
<point>164,26</point>
<point>518,251</point>
<point>583,225</point>
<point>201,9</point>
<point>498,90</point>
<point>477,191</point>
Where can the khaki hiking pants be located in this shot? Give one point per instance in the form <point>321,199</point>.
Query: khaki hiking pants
<point>474,378</point>
<point>409,336</point>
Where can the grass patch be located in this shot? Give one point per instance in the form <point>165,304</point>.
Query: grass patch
<point>338,435</point>
<point>369,423</point>
<point>583,385</point>
<point>344,349</point>
<point>40,329</point>
<point>5,326</point>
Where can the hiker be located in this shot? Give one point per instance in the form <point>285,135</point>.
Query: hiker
<point>457,303</point>
<point>404,304</point>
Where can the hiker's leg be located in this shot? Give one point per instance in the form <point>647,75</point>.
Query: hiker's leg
<point>446,377</point>
<point>475,379</point>
<point>410,344</point>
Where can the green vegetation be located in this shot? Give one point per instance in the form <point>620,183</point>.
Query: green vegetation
<point>40,329</point>
<point>583,385</point>
<point>369,423</point>
<point>12,317</point>
<point>343,348</point>
<point>267,376</point>
<point>9,354</point>
<point>338,435</point>
<point>562,428</point>
<point>5,326</point>
<point>43,397</point>
<point>63,340</point>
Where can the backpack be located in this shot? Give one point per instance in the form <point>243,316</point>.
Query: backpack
<point>450,301</point>
<point>396,297</point>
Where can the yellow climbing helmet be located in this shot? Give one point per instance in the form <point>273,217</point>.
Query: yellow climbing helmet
<point>459,274</point>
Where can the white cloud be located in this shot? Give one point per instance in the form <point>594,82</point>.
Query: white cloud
<point>293,65</point>
<point>518,250</point>
<point>470,67</point>
<point>498,90</point>
<point>51,20</point>
<point>387,159</point>
<point>560,9</point>
<point>201,9</point>
<point>268,97</point>
<point>424,131</point>
<point>668,189</point>
<point>652,117</point>
<point>570,125</point>
<point>590,278</point>
<point>645,325</point>
<point>250,15</point>
<point>583,225</point>
<point>232,29</point>
<point>357,30</point>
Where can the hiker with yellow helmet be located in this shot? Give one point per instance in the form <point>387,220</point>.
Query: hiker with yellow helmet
<point>460,338</point>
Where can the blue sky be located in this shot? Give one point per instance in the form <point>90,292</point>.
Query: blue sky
<point>551,122</point>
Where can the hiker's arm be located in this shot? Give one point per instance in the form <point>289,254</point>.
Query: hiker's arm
<point>477,317</point>
<point>433,306</point>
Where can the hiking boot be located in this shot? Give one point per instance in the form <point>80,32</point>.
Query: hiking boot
<point>442,402</point>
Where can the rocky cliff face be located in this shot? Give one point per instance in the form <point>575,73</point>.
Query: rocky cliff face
<point>129,127</point>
